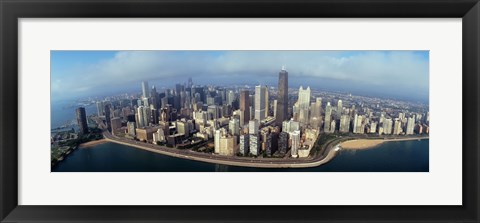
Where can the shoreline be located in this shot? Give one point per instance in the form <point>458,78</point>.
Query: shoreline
<point>256,163</point>
<point>331,150</point>
<point>359,144</point>
<point>92,143</point>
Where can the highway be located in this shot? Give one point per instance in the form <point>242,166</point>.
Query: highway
<point>258,162</point>
<point>326,153</point>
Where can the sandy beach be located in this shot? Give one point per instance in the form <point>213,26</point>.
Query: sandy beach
<point>370,143</point>
<point>92,143</point>
<point>361,143</point>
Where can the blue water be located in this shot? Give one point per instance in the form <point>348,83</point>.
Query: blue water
<point>63,113</point>
<point>402,156</point>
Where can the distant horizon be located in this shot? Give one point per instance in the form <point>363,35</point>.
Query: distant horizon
<point>137,90</point>
<point>384,74</point>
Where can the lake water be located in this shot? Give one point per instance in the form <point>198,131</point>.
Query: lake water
<point>401,156</point>
<point>63,113</point>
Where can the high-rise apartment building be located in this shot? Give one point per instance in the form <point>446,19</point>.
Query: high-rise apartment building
<point>339,108</point>
<point>397,127</point>
<point>254,144</point>
<point>410,126</point>
<point>82,120</point>
<point>244,144</point>
<point>387,126</point>
<point>234,127</point>
<point>283,142</point>
<point>295,143</point>
<point>216,141</point>
<point>253,126</point>
<point>227,145</point>
<point>373,127</point>
<point>358,126</point>
<point>344,123</point>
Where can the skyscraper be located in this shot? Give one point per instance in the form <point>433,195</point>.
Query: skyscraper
<point>295,143</point>
<point>397,128</point>
<point>107,117</point>
<point>131,128</point>
<point>253,127</point>
<point>234,127</point>
<point>216,141</point>
<point>245,107</point>
<point>410,126</point>
<point>283,142</point>
<point>155,98</point>
<point>254,144</point>
<point>145,90</point>
<point>267,104</point>
<point>387,126</point>
<point>339,108</point>
<point>318,107</point>
<point>282,97</point>
<point>373,127</point>
<point>260,92</point>
<point>345,123</point>
<point>358,126</point>
<point>254,138</point>
<point>230,98</point>
<point>82,120</point>
<point>116,124</point>
<point>227,145</point>
<point>275,108</point>
<point>303,104</point>
<point>178,88</point>
<point>304,98</point>
<point>244,144</point>
<point>189,83</point>
<point>143,116</point>
<point>328,117</point>
<point>100,108</point>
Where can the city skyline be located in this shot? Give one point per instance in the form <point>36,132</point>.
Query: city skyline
<point>383,73</point>
<point>259,126</point>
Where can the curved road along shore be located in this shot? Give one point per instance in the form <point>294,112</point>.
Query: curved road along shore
<point>327,153</point>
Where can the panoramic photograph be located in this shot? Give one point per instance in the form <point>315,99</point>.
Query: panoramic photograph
<point>239,111</point>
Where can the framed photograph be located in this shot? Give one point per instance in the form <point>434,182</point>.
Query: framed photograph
<point>230,111</point>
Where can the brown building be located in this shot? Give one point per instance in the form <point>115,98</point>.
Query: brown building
<point>146,133</point>
<point>245,106</point>
<point>116,125</point>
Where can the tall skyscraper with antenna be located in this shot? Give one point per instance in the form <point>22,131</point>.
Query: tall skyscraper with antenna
<point>282,97</point>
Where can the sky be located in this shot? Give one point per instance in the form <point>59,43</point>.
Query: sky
<point>394,74</point>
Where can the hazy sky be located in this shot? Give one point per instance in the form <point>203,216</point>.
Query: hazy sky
<point>403,74</point>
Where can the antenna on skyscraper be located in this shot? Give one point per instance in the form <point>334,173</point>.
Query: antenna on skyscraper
<point>283,67</point>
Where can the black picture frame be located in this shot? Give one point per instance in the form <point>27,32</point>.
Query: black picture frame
<point>11,11</point>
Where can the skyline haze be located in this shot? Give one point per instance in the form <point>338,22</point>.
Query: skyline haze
<point>382,73</point>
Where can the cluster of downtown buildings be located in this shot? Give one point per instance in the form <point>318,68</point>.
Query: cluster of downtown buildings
<point>244,121</point>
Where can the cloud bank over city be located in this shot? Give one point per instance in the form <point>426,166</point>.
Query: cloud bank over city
<point>87,73</point>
